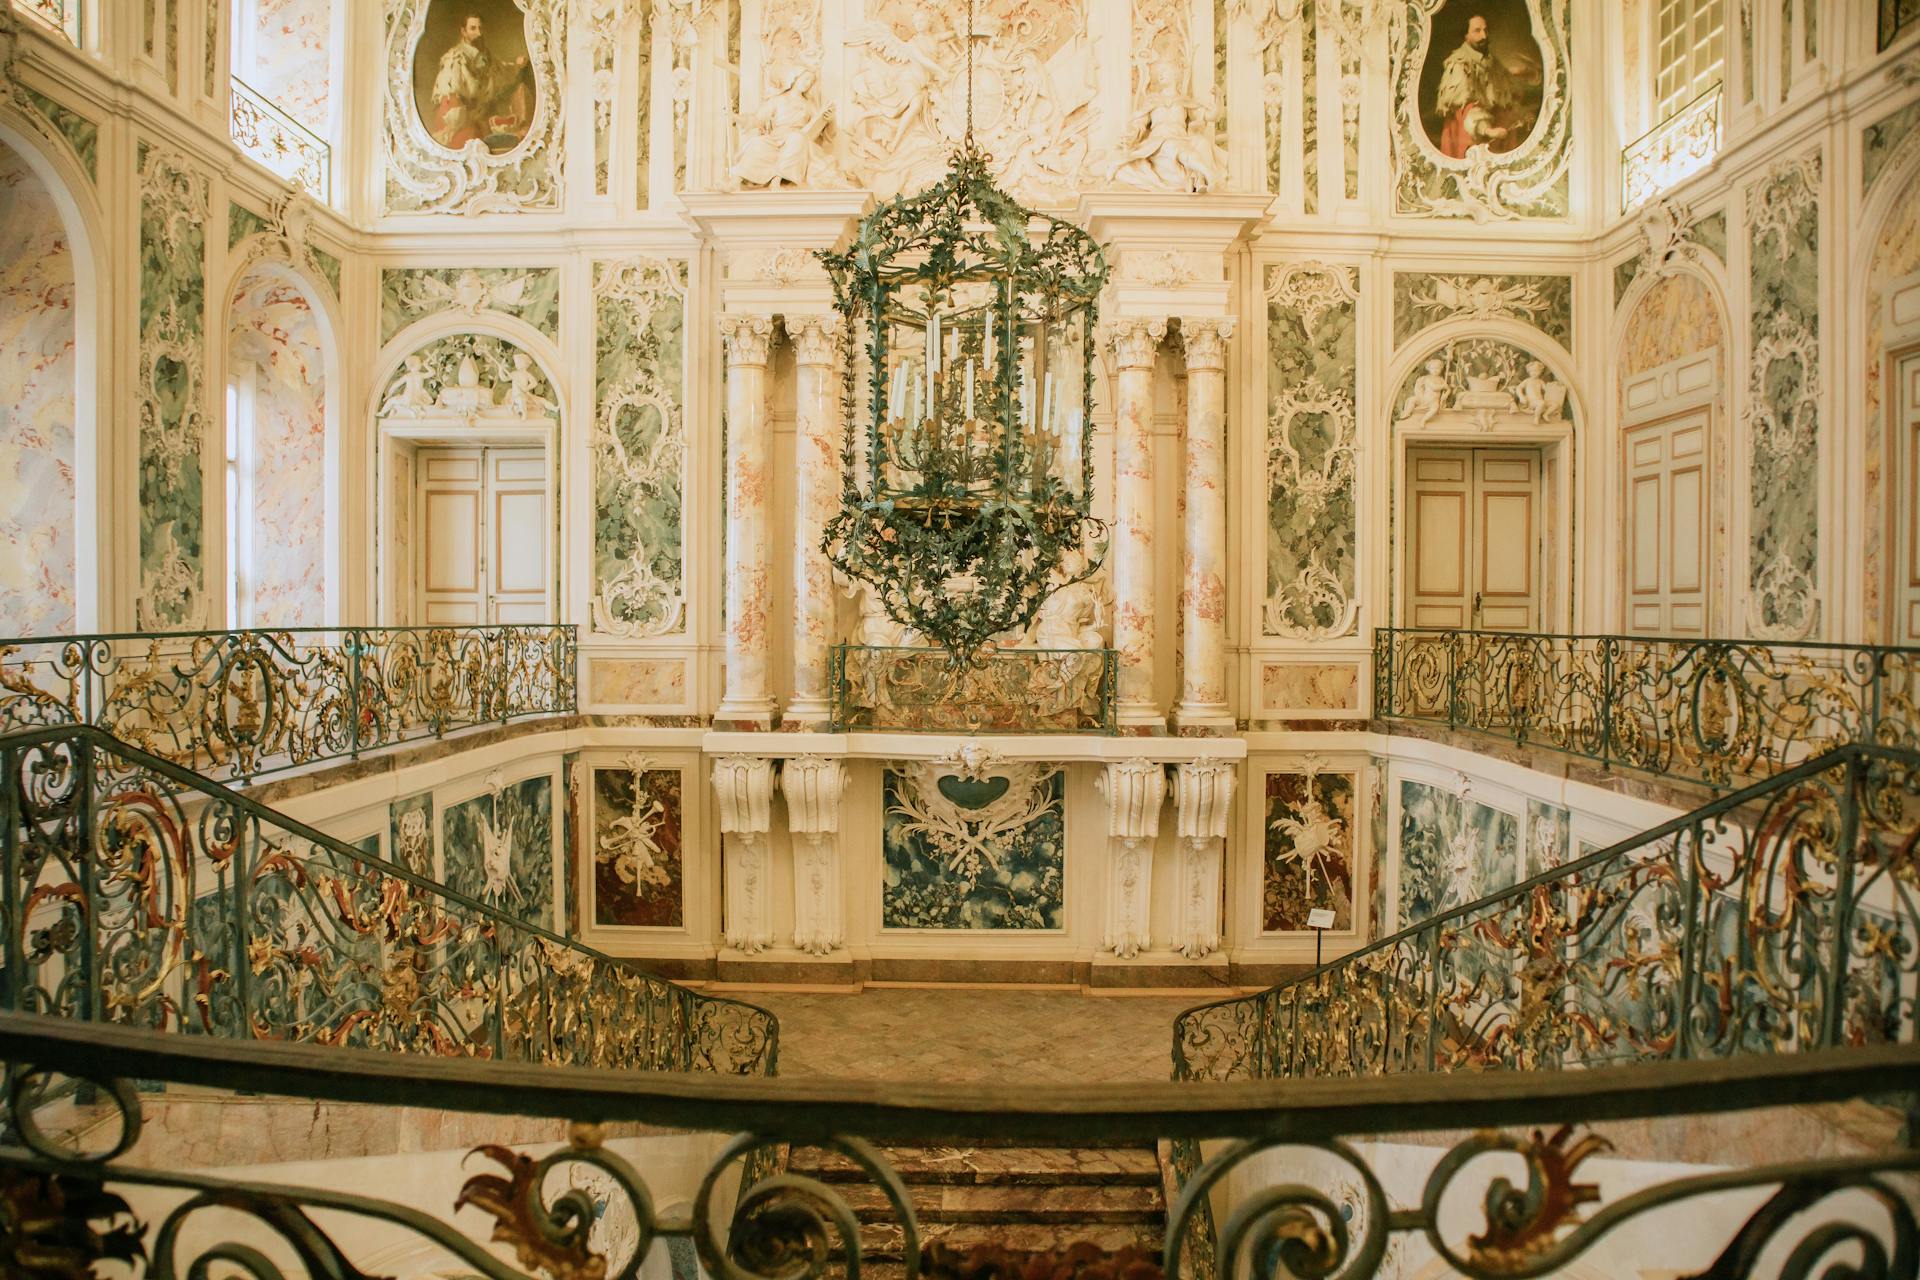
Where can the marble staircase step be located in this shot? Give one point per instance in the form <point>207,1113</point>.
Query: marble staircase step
<point>1012,1166</point>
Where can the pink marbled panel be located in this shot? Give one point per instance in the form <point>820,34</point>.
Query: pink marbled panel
<point>37,373</point>
<point>1896,254</point>
<point>275,330</point>
<point>291,63</point>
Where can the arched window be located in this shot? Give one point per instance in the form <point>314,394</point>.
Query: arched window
<point>1689,52</point>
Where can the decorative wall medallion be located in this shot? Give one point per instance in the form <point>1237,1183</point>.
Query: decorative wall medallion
<point>997,864</point>
<point>470,127</point>
<point>1312,432</point>
<point>639,447</point>
<point>1482,118</point>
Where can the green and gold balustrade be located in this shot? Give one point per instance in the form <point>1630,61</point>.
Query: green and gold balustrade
<point>1522,1194</point>
<point>140,894</point>
<point>1718,712</point>
<point>238,705</point>
<point>1009,690</point>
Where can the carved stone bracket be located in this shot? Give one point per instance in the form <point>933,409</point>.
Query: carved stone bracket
<point>1204,799</point>
<point>1135,791</point>
<point>814,787</point>
<point>744,787</point>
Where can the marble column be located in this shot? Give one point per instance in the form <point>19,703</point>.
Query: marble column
<point>1203,558</point>
<point>1135,791</point>
<point>744,787</point>
<point>816,494</point>
<point>814,787</point>
<point>1203,797</point>
<point>747,695</point>
<point>1133,342</point>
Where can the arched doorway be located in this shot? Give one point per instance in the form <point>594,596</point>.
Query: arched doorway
<point>276,455</point>
<point>39,395</point>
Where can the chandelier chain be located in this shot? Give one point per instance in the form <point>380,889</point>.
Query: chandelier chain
<point>969,139</point>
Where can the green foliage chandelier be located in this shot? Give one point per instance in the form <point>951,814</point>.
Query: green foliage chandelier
<point>967,479</point>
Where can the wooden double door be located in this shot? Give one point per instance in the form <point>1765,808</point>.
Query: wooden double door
<point>484,536</point>
<point>1476,545</point>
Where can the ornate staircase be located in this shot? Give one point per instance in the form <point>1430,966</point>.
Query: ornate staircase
<point>1021,1198</point>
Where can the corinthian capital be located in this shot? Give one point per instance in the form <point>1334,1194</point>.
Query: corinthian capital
<point>1206,338</point>
<point>747,337</point>
<point>815,338</point>
<point>1134,339</point>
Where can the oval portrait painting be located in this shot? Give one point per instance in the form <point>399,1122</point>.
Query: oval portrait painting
<point>471,75</point>
<point>1481,82</point>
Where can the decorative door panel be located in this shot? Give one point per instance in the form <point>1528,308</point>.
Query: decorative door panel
<point>452,574</point>
<point>1666,526</point>
<point>517,480</point>
<point>1906,506</point>
<point>1475,557</point>
<point>485,536</point>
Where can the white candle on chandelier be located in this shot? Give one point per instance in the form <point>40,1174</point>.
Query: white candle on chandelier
<point>897,392</point>
<point>970,374</point>
<point>1046,406</point>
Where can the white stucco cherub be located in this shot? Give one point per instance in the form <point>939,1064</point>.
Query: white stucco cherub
<point>523,397</point>
<point>409,393</point>
<point>1429,395</point>
<point>1530,394</point>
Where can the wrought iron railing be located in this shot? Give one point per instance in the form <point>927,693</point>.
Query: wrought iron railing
<point>1672,151</point>
<point>236,705</point>
<point>1782,918</point>
<point>1005,691</point>
<point>1719,712</point>
<point>285,146</point>
<point>1516,1203</point>
<point>141,894</point>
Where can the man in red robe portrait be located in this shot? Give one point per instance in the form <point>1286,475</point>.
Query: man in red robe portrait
<point>1480,101</point>
<point>477,97</point>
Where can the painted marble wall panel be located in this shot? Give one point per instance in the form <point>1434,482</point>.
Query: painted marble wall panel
<point>1623,277</point>
<point>1453,849</point>
<point>408,294</point>
<point>1548,829</point>
<point>1378,845</point>
<point>1881,139</point>
<point>290,62</point>
<point>1309,853</point>
<point>573,843</point>
<point>410,833</point>
<point>276,336</point>
<point>1482,130</point>
<point>1782,413</point>
<point>631,682</point>
<point>37,405</point>
<point>1896,255</point>
<point>1423,298</point>
<point>82,134</point>
<point>172,391</point>
<point>1305,686</point>
<point>1710,233</point>
<point>1002,866</point>
<point>327,265</point>
<point>243,222</point>
<point>1312,312</point>
<point>498,847</point>
<point>639,447</point>
<point>1677,317</point>
<point>639,873</point>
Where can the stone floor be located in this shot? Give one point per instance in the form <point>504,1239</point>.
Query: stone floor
<point>971,1035</point>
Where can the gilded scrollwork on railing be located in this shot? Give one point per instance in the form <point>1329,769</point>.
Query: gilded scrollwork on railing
<point>240,704</point>
<point>1309,1189</point>
<point>138,893</point>
<point>920,690</point>
<point>1719,712</point>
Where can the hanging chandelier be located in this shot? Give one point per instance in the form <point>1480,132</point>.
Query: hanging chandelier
<point>968,467</point>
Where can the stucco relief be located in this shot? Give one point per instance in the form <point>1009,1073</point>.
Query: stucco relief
<point>1308,859</point>
<point>1422,298</point>
<point>1482,123</point>
<point>784,140</point>
<point>408,294</point>
<point>1312,436</point>
<point>1033,93</point>
<point>1782,411</point>
<point>639,447</point>
<point>171,386</point>
<point>956,861</point>
<point>435,163</point>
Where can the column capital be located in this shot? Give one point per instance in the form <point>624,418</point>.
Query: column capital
<point>1206,338</point>
<point>816,336</point>
<point>1134,339</point>
<point>748,337</point>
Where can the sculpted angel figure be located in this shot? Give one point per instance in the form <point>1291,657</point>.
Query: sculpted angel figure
<point>1170,143</point>
<point>1430,391</point>
<point>896,93</point>
<point>409,393</point>
<point>781,144</point>
<point>523,398</point>
<point>1531,392</point>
